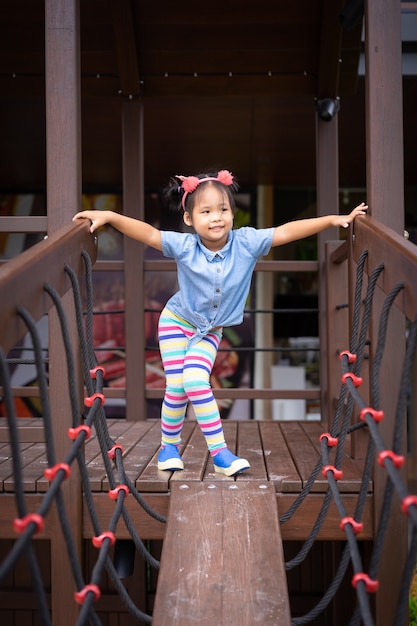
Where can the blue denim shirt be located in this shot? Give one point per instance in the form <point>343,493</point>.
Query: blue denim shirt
<point>214,286</point>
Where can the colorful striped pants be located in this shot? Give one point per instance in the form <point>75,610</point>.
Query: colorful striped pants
<point>187,373</point>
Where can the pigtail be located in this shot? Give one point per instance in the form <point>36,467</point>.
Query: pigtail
<point>172,195</point>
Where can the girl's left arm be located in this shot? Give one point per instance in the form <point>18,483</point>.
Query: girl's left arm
<point>299,229</point>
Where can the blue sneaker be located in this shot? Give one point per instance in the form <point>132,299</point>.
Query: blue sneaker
<point>169,458</point>
<point>227,463</point>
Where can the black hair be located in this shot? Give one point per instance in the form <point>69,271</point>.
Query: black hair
<point>173,193</point>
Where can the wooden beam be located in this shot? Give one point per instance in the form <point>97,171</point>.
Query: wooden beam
<point>330,48</point>
<point>327,168</point>
<point>133,205</point>
<point>384,113</point>
<point>63,111</point>
<point>126,48</point>
<point>385,196</point>
<point>63,178</point>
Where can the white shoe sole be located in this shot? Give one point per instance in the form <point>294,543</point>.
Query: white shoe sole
<point>171,464</point>
<point>235,468</point>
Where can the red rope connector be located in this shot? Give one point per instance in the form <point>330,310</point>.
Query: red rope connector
<point>21,523</point>
<point>407,502</point>
<point>107,534</point>
<point>112,452</point>
<point>356,380</point>
<point>357,527</point>
<point>114,493</point>
<point>93,372</point>
<point>331,441</point>
<point>371,585</point>
<point>80,596</point>
<point>377,416</point>
<point>89,400</point>
<point>74,432</point>
<point>336,472</point>
<point>51,472</point>
<point>397,459</point>
<point>351,357</point>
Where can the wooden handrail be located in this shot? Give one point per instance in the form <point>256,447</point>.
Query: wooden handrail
<point>23,224</point>
<point>398,255</point>
<point>22,279</point>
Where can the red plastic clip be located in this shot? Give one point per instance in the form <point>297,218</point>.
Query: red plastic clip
<point>357,527</point>
<point>397,459</point>
<point>114,493</point>
<point>51,472</point>
<point>74,432</point>
<point>356,380</point>
<point>112,452</point>
<point>93,372</point>
<point>351,357</point>
<point>371,585</point>
<point>107,534</point>
<point>336,472</point>
<point>89,401</point>
<point>407,502</point>
<point>331,441</point>
<point>21,523</point>
<point>377,416</point>
<point>80,596</point>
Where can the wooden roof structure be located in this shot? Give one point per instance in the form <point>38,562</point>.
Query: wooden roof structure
<point>221,86</point>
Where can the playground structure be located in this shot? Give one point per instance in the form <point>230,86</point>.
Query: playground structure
<point>320,485</point>
<point>364,280</point>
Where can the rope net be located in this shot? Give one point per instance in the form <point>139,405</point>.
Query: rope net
<point>387,454</point>
<point>27,524</point>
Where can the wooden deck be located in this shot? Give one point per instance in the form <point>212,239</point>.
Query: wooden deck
<point>280,453</point>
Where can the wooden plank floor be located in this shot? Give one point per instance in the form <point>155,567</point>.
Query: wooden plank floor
<point>216,567</point>
<point>280,453</point>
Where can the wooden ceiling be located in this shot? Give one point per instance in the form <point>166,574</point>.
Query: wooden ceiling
<point>228,85</point>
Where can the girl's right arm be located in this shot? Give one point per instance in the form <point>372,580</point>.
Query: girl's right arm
<point>136,229</point>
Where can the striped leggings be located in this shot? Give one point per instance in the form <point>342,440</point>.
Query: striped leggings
<point>188,379</point>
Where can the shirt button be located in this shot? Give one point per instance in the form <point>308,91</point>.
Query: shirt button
<point>215,306</point>
<point>217,290</point>
<point>218,270</point>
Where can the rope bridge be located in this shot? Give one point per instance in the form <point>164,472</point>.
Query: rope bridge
<point>330,464</point>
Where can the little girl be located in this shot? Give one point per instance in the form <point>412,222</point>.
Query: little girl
<point>215,266</point>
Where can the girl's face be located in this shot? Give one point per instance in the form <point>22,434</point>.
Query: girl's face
<point>211,217</point>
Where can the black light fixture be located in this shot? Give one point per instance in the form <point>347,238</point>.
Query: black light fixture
<point>327,107</point>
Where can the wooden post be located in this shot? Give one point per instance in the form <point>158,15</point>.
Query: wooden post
<point>63,150</point>
<point>264,332</point>
<point>384,152</point>
<point>133,205</point>
<point>327,164</point>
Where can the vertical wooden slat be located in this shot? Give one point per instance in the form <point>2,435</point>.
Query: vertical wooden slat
<point>264,300</point>
<point>63,145</point>
<point>133,205</point>
<point>337,328</point>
